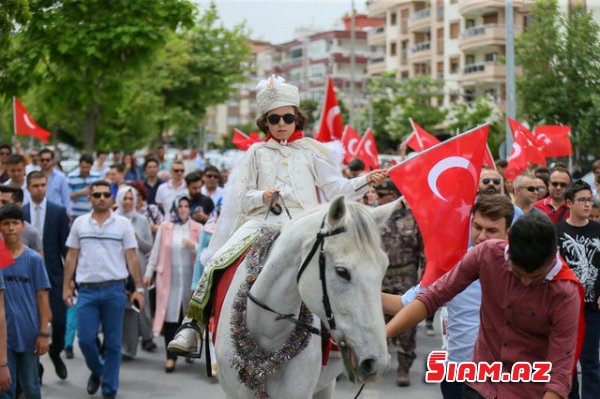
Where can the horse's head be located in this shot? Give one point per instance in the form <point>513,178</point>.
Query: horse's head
<point>353,265</point>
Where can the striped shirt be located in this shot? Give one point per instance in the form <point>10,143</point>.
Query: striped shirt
<point>101,247</point>
<point>80,205</point>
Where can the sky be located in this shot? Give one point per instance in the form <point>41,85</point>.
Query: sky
<point>276,20</point>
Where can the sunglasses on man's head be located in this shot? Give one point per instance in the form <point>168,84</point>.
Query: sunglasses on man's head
<point>559,183</point>
<point>487,180</point>
<point>98,195</point>
<point>287,118</point>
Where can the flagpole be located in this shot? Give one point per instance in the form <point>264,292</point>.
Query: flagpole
<point>439,144</point>
<point>14,118</point>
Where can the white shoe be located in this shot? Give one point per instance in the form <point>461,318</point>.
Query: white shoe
<point>186,343</point>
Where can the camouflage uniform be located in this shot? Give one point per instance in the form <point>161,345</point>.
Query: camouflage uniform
<point>403,244</point>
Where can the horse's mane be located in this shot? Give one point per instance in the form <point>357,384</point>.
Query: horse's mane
<point>361,228</point>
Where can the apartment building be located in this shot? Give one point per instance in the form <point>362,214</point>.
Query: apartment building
<point>305,62</point>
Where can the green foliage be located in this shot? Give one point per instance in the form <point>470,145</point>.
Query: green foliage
<point>121,73</point>
<point>11,12</point>
<point>561,71</point>
<point>311,107</point>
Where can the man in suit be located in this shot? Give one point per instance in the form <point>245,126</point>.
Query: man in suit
<point>52,223</point>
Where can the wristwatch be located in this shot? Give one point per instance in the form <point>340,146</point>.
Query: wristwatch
<point>140,290</point>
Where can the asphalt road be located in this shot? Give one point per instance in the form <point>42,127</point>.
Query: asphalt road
<point>144,378</point>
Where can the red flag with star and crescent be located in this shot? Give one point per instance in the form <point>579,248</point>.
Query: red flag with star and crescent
<point>350,140</point>
<point>440,185</point>
<point>420,140</point>
<point>25,125</point>
<point>331,125</point>
<point>554,141</point>
<point>367,151</point>
<point>524,151</point>
<point>6,258</point>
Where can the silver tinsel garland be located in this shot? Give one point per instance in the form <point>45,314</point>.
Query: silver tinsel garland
<point>253,363</point>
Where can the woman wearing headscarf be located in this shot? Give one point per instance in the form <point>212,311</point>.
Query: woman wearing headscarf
<point>136,323</point>
<point>172,258</point>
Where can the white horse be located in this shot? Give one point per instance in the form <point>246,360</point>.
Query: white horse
<point>346,248</point>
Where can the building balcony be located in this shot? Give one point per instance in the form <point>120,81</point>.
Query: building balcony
<point>479,72</point>
<point>421,52</point>
<point>482,35</point>
<point>376,66</point>
<point>376,36</point>
<point>480,7</point>
<point>378,8</point>
<point>420,21</point>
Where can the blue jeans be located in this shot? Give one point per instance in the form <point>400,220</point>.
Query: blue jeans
<point>590,363</point>
<point>24,367</point>
<point>104,305</point>
<point>71,326</point>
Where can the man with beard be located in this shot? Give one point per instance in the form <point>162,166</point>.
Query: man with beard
<point>490,183</point>
<point>201,206</point>
<point>555,205</point>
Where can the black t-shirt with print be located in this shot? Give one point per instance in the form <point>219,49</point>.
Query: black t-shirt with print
<point>580,248</point>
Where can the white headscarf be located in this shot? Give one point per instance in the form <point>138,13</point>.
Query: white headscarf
<point>121,196</point>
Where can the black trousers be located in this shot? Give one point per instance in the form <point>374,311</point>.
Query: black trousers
<point>169,330</point>
<point>59,321</point>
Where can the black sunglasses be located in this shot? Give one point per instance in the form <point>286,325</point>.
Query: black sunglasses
<point>287,118</point>
<point>178,170</point>
<point>558,183</point>
<point>487,180</point>
<point>45,159</point>
<point>533,189</point>
<point>212,176</point>
<point>104,194</point>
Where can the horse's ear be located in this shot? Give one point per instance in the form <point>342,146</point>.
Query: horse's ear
<point>336,213</point>
<point>382,213</point>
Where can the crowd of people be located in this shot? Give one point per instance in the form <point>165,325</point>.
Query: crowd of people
<point>128,248</point>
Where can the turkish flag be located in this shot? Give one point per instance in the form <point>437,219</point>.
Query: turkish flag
<point>367,151</point>
<point>527,141</point>
<point>25,125</point>
<point>440,185</point>
<point>331,126</point>
<point>350,140</point>
<point>242,141</point>
<point>419,140</point>
<point>488,159</point>
<point>554,141</point>
<point>6,258</point>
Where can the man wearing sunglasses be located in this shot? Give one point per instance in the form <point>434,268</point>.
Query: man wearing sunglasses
<point>526,193</point>
<point>490,182</point>
<point>211,178</point>
<point>555,205</point>
<point>578,241</point>
<point>57,188</point>
<point>172,188</point>
<point>102,247</point>
<point>403,244</point>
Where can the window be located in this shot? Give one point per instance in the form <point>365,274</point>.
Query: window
<point>393,17</point>
<point>491,57</point>
<point>454,65</point>
<point>393,49</point>
<point>454,30</point>
<point>469,59</point>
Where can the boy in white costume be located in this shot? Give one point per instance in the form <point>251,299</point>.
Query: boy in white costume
<point>284,175</point>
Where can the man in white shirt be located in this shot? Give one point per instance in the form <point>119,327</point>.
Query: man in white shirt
<point>174,187</point>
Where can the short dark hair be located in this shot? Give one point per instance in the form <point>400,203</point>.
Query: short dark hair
<point>301,120</point>
<point>501,163</point>
<point>542,169</point>
<point>87,158</point>
<point>14,159</point>
<point>356,165</point>
<point>36,174</point>
<point>118,166</point>
<point>99,183</point>
<point>211,168</point>
<point>9,148</point>
<point>575,187</point>
<point>11,211</point>
<point>46,150</point>
<point>151,159</point>
<point>495,207</point>
<point>16,192</point>
<point>101,152</point>
<point>193,177</point>
<point>561,170</point>
<point>532,242</point>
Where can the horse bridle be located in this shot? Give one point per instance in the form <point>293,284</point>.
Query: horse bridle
<point>326,303</point>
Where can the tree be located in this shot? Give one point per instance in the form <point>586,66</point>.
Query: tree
<point>560,57</point>
<point>11,12</point>
<point>82,51</point>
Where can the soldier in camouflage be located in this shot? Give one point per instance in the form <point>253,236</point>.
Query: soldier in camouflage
<point>403,244</point>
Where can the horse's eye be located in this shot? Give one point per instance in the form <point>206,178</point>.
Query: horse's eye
<point>343,273</point>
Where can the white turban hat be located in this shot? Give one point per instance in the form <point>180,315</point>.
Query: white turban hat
<point>274,93</point>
